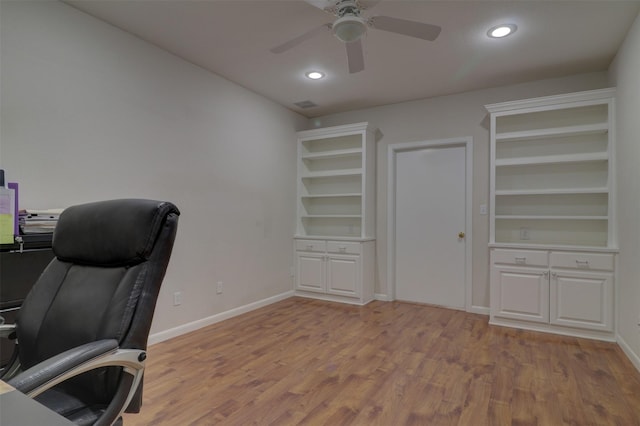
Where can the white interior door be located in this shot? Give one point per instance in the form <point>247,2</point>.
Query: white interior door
<point>429,217</point>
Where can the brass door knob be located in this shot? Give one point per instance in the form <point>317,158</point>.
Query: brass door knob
<point>460,234</point>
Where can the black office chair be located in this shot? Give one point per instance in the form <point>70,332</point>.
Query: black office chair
<point>82,330</point>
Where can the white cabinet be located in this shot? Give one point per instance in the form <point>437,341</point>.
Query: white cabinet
<point>334,241</point>
<point>310,272</point>
<point>552,171</point>
<point>343,275</point>
<point>521,294</point>
<point>341,271</point>
<point>557,291</point>
<point>552,222</point>
<point>581,290</point>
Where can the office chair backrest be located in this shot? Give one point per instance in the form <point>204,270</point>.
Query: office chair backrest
<point>111,258</point>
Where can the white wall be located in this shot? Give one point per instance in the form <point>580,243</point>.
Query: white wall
<point>450,117</point>
<point>625,74</point>
<point>90,112</point>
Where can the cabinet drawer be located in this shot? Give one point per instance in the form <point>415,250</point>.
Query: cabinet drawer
<point>311,245</point>
<point>520,257</point>
<point>343,247</point>
<point>597,261</point>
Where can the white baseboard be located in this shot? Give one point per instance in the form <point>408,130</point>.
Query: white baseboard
<point>482,310</point>
<point>382,297</point>
<point>633,357</point>
<point>204,322</point>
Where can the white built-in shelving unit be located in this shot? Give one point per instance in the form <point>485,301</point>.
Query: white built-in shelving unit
<point>336,213</point>
<point>551,171</point>
<point>336,182</point>
<point>552,199</point>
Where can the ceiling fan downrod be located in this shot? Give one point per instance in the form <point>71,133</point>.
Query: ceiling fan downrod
<point>347,7</point>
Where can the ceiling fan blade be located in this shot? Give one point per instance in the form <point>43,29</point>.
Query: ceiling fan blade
<point>297,40</point>
<point>355,57</point>
<point>405,27</point>
<point>367,4</point>
<point>325,5</point>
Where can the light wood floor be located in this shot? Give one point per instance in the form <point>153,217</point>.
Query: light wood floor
<point>310,362</point>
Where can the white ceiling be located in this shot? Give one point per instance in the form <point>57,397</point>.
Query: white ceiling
<point>233,38</point>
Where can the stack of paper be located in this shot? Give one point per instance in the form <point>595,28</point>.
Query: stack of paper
<point>38,221</point>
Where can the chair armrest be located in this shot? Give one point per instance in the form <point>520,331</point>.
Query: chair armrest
<point>6,330</point>
<point>75,361</point>
<point>49,371</point>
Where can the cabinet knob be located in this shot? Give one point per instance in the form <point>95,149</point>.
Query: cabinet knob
<point>460,234</point>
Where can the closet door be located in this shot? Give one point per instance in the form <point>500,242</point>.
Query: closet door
<point>430,214</point>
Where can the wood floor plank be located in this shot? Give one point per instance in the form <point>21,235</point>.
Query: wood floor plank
<point>309,362</point>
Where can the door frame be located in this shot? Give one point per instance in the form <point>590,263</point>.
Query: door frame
<point>393,150</point>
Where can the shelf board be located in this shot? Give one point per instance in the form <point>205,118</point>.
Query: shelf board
<point>553,159</point>
<point>344,195</point>
<point>331,216</point>
<point>561,191</point>
<point>555,131</point>
<point>332,173</point>
<point>338,153</point>
<point>550,217</point>
<point>333,237</point>
<point>553,246</point>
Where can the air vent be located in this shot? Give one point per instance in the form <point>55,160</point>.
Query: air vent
<point>305,104</point>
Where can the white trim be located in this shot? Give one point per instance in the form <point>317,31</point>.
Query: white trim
<point>542,327</point>
<point>325,132</point>
<point>481,310</point>
<point>204,322</point>
<point>467,142</point>
<point>633,357</point>
<point>382,297</point>
<point>332,298</point>
<point>585,97</point>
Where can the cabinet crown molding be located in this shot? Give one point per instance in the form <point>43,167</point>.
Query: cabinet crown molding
<point>585,96</point>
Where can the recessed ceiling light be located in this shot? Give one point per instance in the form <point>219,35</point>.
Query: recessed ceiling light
<point>503,30</point>
<point>314,75</point>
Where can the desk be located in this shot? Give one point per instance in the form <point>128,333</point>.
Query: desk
<point>17,409</point>
<point>20,267</point>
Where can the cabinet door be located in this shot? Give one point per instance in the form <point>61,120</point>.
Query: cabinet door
<point>343,275</point>
<point>520,293</point>
<point>310,272</point>
<point>582,299</point>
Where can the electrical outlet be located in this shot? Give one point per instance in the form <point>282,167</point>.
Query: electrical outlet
<point>219,288</point>
<point>483,209</point>
<point>524,233</point>
<point>177,298</point>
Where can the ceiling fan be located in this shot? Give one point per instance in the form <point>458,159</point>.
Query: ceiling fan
<point>351,25</point>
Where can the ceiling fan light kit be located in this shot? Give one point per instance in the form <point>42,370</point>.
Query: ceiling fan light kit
<point>350,26</point>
